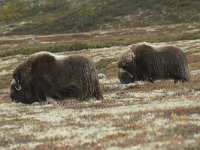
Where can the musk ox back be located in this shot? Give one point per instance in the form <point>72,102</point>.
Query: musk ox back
<point>45,75</point>
<point>149,63</point>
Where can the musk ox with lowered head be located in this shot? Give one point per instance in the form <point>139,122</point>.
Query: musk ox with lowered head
<point>149,63</point>
<point>44,75</point>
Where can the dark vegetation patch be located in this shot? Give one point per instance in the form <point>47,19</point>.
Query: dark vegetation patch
<point>72,104</point>
<point>125,141</point>
<point>163,113</point>
<point>34,49</point>
<point>51,144</point>
<point>185,130</point>
<point>74,46</point>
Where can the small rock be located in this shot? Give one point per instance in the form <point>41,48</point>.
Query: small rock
<point>101,76</point>
<point>33,40</point>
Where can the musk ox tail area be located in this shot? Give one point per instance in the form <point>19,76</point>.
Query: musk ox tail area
<point>90,82</point>
<point>85,76</point>
<point>185,70</point>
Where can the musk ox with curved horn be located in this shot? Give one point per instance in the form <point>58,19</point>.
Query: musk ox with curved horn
<point>149,63</point>
<point>44,75</point>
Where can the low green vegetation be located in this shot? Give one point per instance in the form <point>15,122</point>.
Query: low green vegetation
<point>106,38</point>
<point>34,49</point>
<point>107,66</point>
<point>53,16</point>
<point>74,46</point>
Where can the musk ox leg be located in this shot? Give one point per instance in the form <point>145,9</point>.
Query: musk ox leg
<point>76,92</point>
<point>184,80</point>
<point>94,91</point>
<point>175,81</point>
<point>180,79</point>
<point>97,89</point>
<point>150,79</point>
<point>50,100</point>
<point>98,94</point>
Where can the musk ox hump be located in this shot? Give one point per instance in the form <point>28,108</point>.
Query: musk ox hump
<point>126,58</point>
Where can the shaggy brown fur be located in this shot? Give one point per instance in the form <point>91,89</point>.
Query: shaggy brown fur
<point>45,75</point>
<point>124,76</point>
<point>150,63</point>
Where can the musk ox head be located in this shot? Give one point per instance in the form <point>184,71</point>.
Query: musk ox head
<point>45,75</point>
<point>125,77</point>
<point>149,63</point>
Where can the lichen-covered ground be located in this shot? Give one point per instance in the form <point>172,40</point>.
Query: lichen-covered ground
<point>162,115</point>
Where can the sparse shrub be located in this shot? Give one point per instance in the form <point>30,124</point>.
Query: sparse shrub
<point>5,81</point>
<point>107,66</point>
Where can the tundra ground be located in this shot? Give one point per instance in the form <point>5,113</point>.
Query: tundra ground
<point>162,115</point>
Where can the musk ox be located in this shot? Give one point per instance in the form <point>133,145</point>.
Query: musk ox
<point>149,63</point>
<point>44,75</point>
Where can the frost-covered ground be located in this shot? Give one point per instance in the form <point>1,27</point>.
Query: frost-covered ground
<point>162,115</point>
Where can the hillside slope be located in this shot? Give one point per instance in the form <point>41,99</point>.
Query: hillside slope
<point>22,17</point>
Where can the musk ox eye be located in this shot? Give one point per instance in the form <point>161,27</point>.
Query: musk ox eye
<point>18,87</point>
<point>125,63</point>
